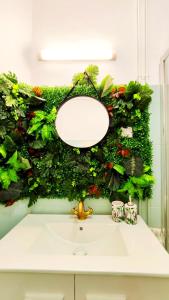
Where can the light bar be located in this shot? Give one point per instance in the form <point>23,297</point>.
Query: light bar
<point>83,51</point>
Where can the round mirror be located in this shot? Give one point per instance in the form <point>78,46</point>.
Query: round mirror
<point>82,121</point>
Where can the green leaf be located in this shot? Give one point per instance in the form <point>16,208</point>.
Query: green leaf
<point>2,130</point>
<point>120,169</point>
<point>3,151</point>
<point>106,85</point>
<point>9,143</point>
<point>140,193</point>
<point>38,144</point>
<point>128,187</point>
<point>93,72</point>
<point>144,180</point>
<point>13,161</point>
<point>4,178</point>
<point>77,150</point>
<point>129,105</point>
<point>47,132</point>
<point>138,113</point>
<point>10,101</point>
<point>52,116</point>
<point>40,115</point>
<point>13,175</point>
<point>34,128</point>
<point>149,178</point>
<point>34,185</point>
<point>25,89</point>
<point>11,77</point>
<point>79,77</point>
<point>146,168</point>
<point>137,96</point>
<point>25,164</point>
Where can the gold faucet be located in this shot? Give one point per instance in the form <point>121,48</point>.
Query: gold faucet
<point>80,211</point>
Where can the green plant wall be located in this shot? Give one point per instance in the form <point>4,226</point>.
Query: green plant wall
<point>34,162</point>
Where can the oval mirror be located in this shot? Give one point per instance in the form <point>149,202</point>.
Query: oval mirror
<point>82,121</point>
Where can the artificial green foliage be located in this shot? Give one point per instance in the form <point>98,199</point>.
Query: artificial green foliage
<point>92,71</point>
<point>133,166</point>
<point>9,172</point>
<point>106,86</point>
<point>42,126</point>
<point>135,186</point>
<point>35,162</point>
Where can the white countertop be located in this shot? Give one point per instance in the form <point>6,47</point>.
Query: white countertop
<point>145,257</point>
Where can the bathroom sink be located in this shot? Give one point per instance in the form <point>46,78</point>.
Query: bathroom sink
<point>81,232</point>
<point>80,238</point>
<point>62,243</point>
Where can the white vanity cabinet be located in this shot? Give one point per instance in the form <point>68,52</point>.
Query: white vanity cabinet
<point>40,286</point>
<point>36,286</point>
<point>100,287</point>
<point>44,258</point>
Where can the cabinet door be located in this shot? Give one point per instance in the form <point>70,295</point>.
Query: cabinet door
<point>98,287</point>
<point>29,286</point>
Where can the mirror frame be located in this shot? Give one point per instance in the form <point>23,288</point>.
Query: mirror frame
<point>66,100</point>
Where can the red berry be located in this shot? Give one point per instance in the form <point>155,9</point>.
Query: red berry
<point>125,152</point>
<point>122,89</point>
<point>94,190</point>
<point>109,165</point>
<point>109,108</point>
<point>37,91</point>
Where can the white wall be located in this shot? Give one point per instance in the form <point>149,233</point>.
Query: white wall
<point>15,37</point>
<point>55,21</point>
<point>75,20</point>
<point>157,36</point>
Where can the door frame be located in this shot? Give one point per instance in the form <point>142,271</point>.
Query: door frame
<point>164,151</point>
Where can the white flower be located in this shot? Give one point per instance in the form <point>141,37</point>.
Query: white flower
<point>127,132</point>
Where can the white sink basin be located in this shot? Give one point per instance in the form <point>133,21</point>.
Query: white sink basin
<point>80,238</point>
<point>79,232</point>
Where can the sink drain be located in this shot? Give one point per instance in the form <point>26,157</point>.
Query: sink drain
<point>80,252</point>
